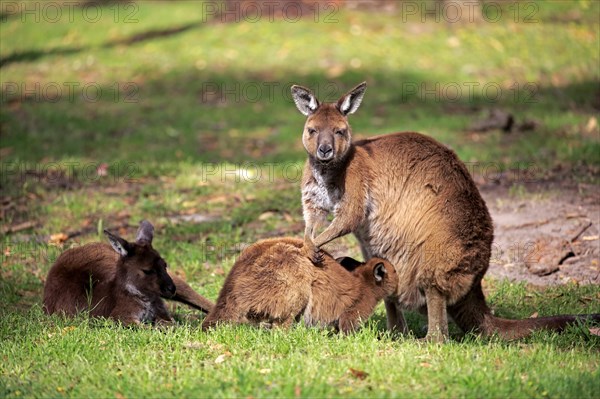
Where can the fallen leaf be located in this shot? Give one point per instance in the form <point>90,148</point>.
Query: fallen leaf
<point>297,391</point>
<point>217,200</point>
<point>361,375</point>
<point>591,125</point>
<point>534,315</point>
<point>124,214</point>
<point>264,371</point>
<point>595,331</point>
<point>119,395</point>
<point>221,358</point>
<point>590,238</point>
<point>425,364</point>
<point>102,169</point>
<point>58,238</point>
<point>266,215</point>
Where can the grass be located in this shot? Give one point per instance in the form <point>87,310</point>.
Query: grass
<point>177,133</point>
<point>55,357</point>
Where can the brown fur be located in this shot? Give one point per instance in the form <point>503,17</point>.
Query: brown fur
<point>273,281</point>
<point>128,288</point>
<point>410,200</point>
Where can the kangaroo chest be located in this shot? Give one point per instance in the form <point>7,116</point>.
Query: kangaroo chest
<point>146,313</point>
<point>321,194</point>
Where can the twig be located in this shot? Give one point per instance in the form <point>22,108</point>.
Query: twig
<point>581,230</point>
<point>19,227</point>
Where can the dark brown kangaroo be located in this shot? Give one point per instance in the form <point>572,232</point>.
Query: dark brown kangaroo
<point>125,282</point>
<point>410,200</point>
<point>274,281</point>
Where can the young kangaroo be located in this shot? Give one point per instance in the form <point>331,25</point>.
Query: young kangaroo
<point>274,281</point>
<point>410,200</point>
<point>125,282</point>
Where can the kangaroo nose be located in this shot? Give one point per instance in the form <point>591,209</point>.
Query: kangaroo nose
<point>325,151</point>
<point>170,290</point>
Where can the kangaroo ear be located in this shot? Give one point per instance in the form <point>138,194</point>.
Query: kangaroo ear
<point>379,272</point>
<point>305,100</point>
<point>120,245</point>
<point>348,263</point>
<point>145,232</point>
<point>350,102</point>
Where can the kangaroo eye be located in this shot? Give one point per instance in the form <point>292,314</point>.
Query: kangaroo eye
<point>311,131</point>
<point>148,272</point>
<point>340,132</point>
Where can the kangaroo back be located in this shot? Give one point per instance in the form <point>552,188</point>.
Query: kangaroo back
<point>274,281</point>
<point>75,275</point>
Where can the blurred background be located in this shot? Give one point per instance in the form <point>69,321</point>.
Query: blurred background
<point>164,81</point>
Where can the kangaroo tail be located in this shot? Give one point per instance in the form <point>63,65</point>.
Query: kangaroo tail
<point>471,313</point>
<point>186,294</point>
<point>515,329</point>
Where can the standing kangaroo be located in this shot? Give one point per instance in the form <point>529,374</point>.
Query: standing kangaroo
<point>408,199</point>
<point>125,282</point>
<point>274,281</point>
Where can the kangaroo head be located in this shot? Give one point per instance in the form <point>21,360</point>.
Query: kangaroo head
<point>327,136</point>
<point>141,269</point>
<point>380,275</point>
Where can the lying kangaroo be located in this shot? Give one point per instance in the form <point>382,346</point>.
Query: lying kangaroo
<point>410,200</point>
<point>274,281</point>
<point>125,282</point>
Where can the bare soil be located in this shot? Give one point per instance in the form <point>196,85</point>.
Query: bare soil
<point>546,232</point>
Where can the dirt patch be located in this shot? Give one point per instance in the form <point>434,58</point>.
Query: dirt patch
<point>546,233</point>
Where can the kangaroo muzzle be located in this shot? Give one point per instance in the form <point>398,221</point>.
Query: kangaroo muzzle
<point>324,152</point>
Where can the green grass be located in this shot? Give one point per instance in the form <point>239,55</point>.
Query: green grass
<point>45,356</point>
<point>182,135</point>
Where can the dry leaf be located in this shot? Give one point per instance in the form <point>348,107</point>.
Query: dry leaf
<point>590,238</point>
<point>102,169</point>
<point>297,391</point>
<point>361,375</point>
<point>591,125</point>
<point>221,358</point>
<point>217,200</point>
<point>264,371</point>
<point>425,364</point>
<point>595,331</point>
<point>266,215</point>
<point>58,238</point>
<point>119,395</point>
<point>193,345</point>
<point>534,315</point>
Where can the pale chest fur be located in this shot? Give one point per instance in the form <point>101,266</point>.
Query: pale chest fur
<point>146,312</point>
<point>321,195</point>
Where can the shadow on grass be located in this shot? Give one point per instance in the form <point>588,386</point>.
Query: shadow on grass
<point>34,55</point>
<point>216,116</point>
